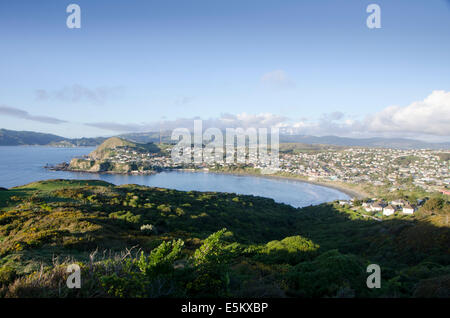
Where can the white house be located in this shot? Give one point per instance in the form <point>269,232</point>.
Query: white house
<point>389,210</point>
<point>377,206</point>
<point>408,209</point>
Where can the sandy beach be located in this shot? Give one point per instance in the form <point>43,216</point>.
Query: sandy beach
<point>350,192</point>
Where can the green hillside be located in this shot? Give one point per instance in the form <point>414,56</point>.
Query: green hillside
<point>102,159</point>
<point>23,138</point>
<point>15,138</point>
<point>109,146</point>
<point>135,241</point>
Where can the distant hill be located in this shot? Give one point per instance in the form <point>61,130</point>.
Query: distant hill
<point>27,138</point>
<point>297,147</point>
<point>398,143</point>
<point>79,142</point>
<point>16,138</point>
<point>147,137</point>
<point>109,146</point>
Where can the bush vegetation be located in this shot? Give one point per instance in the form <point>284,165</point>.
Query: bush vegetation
<point>135,241</point>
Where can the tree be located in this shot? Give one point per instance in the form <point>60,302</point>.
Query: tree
<point>211,268</point>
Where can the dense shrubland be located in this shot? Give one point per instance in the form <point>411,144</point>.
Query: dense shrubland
<point>134,241</point>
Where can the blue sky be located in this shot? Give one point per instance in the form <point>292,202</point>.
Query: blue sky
<point>312,66</point>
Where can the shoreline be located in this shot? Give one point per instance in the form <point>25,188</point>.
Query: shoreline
<point>348,191</point>
<point>352,193</point>
<point>107,172</point>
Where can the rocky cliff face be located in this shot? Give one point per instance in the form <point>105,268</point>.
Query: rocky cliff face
<point>90,165</point>
<point>81,164</point>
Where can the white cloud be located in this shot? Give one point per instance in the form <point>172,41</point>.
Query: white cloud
<point>425,119</point>
<point>19,113</point>
<point>430,116</point>
<point>278,79</point>
<point>334,123</point>
<point>264,120</point>
<point>118,127</point>
<point>77,93</point>
<point>244,120</point>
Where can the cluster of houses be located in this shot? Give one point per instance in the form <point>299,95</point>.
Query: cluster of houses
<point>386,208</point>
<point>389,208</point>
<point>376,166</point>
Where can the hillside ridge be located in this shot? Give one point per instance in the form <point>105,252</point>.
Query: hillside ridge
<point>127,238</point>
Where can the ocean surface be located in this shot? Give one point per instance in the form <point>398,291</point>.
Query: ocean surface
<point>24,164</point>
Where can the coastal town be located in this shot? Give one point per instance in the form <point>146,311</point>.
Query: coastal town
<point>391,170</point>
<point>427,169</point>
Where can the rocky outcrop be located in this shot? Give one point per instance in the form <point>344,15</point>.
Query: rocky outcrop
<point>103,159</point>
<point>90,165</point>
<point>81,164</point>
